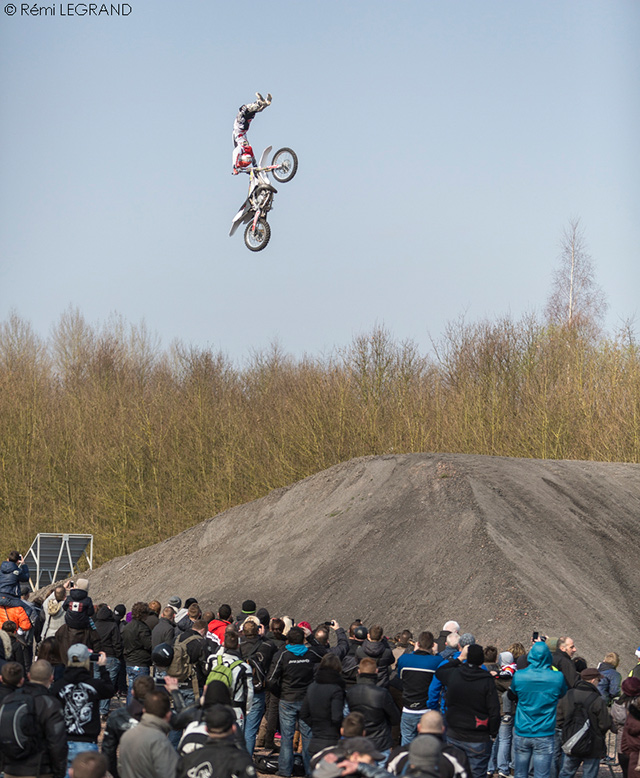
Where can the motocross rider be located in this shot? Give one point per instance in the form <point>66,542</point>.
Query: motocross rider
<point>242,152</point>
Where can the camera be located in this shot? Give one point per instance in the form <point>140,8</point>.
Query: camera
<point>94,656</point>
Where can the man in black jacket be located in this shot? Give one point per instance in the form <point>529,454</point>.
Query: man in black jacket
<point>165,630</point>
<point>563,660</point>
<point>376,647</point>
<point>257,653</point>
<point>292,672</point>
<point>51,756</point>
<point>111,643</point>
<point>473,707</point>
<point>80,694</point>
<point>136,638</point>
<point>220,756</point>
<point>376,705</point>
<point>585,693</point>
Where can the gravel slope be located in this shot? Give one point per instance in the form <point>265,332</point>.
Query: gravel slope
<point>502,545</point>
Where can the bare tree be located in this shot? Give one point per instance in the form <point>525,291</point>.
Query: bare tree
<point>576,300</point>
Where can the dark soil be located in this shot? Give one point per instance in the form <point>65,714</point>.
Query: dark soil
<point>504,546</point>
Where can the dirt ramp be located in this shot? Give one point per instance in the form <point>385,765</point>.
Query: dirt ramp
<point>502,545</point>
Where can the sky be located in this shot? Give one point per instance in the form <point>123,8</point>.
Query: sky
<point>443,147</point>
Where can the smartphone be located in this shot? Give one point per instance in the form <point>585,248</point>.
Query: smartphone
<point>71,584</point>
<point>535,637</point>
<point>328,623</point>
<point>94,656</point>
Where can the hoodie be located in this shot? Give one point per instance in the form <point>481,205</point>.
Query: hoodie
<point>11,576</point>
<point>537,689</point>
<point>383,655</point>
<point>53,616</point>
<point>79,609</point>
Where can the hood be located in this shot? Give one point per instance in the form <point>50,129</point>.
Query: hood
<point>53,607</point>
<point>539,656</point>
<point>473,672</point>
<point>325,675</point>
<point>105,614</point>
<point>8,567</point>
<point>77,674</point>
<point>77,594</point>
<point>373,649</point>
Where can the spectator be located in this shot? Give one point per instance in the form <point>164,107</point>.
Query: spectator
<point>323,705</point>
<point>136,640</point>
<point>630,741</point>
<point>13,572</point>
<point>357,635</point>
<point>111,643</point>
<point>403,644</point>
<point>473,708</point>
<point>453,762</point>
<point>153,614</point>
<point>447,629</point>
<point>47,754</point>
<point>80,694</point>
<point>257,653</point>
<point>18,650</point>
<point>291,675</point>
<point>12,675</point>
<point>219,756</point>
<point>218,626</point>
<point>376,647</point>
<point>563,660</point>
<point>49,650</point>
<point>78,606</point>
<point>165,630</point>
<point>228,665</point>
<point>376,705</point>
<point>175,603</point>
<point>416,672</point>
<point>191,720</point>
<point>145,750</point>
<point>193,614</point>
<point>53,613</point>
<point>609,684</point>
<point>585,695</point>
<point>195,650</point>
<point>635,673</point>
<point>501,751</point>
<point>537,689</point>
<point>123,719</point>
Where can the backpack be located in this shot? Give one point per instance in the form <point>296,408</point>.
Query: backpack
<point>577,733</point>
<point>222,672</point>
<point>181,667</point>
<point>255,661</point>
<point>19,731</point>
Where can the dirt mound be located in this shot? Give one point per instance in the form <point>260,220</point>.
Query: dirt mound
<point>502,545</point>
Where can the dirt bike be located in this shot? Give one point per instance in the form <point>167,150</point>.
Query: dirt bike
<point>259,202</point>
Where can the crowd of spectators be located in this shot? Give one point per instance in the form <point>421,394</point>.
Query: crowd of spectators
<point>155,691</point>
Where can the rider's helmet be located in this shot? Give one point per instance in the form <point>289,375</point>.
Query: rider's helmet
<point>246,157</point>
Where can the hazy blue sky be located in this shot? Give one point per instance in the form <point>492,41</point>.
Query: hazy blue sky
<point>443,148</point>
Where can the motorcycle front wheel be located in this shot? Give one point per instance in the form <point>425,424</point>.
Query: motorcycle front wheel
<point>256,240</point>
<point>287,162</point>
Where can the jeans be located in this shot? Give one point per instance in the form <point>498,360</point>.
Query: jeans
<point>409,727</point>
<point>477,753</point>
<point>570,764</point>
<point>133,671</point>
<point>556,760</point>
<point>252,721</point>
<point>75,748</point>
<point>289,714</point>
<point>540,749</point>
<point>501,752</point>
<point>113,668</point>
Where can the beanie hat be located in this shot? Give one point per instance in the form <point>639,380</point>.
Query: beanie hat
<point>475,655</point>
<point>219,718</point>
<point>263,616</point>
<point>466,640</point>
<point>189,601</point>
<point>631,686</point>
<point>216,692</point>
<point>424,751</point>
<point>175,602</point>
<point>248,606</point>
<point>82,583</point>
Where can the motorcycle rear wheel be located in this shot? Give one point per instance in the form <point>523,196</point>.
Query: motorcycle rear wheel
<point>256,240</point>
<point>287,160</point>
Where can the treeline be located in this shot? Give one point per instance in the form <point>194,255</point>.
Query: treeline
<point>102,431</point>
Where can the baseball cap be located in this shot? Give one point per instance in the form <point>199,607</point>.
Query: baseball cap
<point>78,654</point>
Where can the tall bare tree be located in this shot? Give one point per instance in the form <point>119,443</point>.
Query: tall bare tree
<point>576,300</point>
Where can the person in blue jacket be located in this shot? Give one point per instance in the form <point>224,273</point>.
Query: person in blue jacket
<point>537,689</point>
<point>13,573</point>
